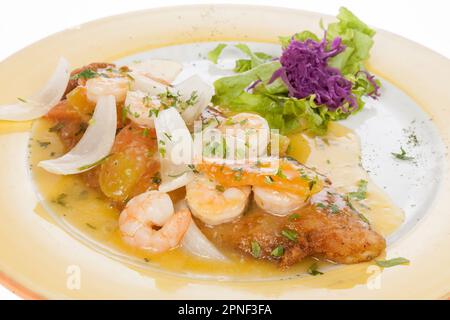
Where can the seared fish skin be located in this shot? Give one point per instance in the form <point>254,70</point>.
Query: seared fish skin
<point>318,229</point>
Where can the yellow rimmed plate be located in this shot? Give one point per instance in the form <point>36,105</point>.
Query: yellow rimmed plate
<point>38,259</point>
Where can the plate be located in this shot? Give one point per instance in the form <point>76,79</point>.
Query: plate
<point>39,259</point>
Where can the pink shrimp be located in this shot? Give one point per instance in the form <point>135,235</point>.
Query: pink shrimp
<point>148,222</point>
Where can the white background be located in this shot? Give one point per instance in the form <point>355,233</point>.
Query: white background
<point>23,22</point>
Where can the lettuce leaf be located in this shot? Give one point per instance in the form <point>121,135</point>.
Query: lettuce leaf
<point>229,88</point>
<point>242,65</point>
<point>215,53</point>
<point>356,36</point>
<point>269,100</point>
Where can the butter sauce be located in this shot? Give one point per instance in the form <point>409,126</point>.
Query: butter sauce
<point>93,217</point>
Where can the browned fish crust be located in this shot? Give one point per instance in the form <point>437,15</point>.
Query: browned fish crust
<point>341,236</point>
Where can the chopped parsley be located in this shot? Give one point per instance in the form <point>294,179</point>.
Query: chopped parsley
<point>43,144</point>
<point>278,251</point>
<point>156,179</point>
<point>256,249</point>
<point>91,226</point>
<point>220,188</point>
<point>281,174</point>
<point>57,127</point>
<point>168,136</point>
<point>312,183</point>
<point>392,262</point>
<point>361,193</point>
<point>290,234</point>
<point>314,270</point>
<point>124,114</point>
<point>85,74</point>
<point>145,132</point>
<point>363,218</point>
<point>402,155</point>
<point>334,208</point>
<point>61,199</point>
<point>192,99</point>
<point>294,216</point>
<point>238,174</point>
<point>268,179</point>
<point>82,129</point>
<point>192,167</point>
<point>162,149</point>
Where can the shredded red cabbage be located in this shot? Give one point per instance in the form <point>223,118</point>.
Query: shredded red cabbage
<point>305,72</point>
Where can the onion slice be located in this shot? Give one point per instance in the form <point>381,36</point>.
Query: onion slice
<point>95,144</point>
<point>175,148</point>
<point>158,69</point>
<point>147,85</point>
<point>41,102</point>
<point>154,76</point>
<point>194,87</point>
<point>196,243</point>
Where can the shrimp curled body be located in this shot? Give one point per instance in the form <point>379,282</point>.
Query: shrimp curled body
<point>148,222</point>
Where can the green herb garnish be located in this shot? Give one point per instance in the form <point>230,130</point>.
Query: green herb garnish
<point>91,226</point>
<point>392,262</point>
<point>85,74</point>
<point>43,144</point>
<point>156,179</point>
<point>290,234</point>
<point>220,188</point>
<point>402,155</point>
<point>57,127</point>
<point>60,199</point>
<point>278,251</point>
<point>361,193</point>
<point>281,174</point>
<point>145,132</point>
<point>313,269</point>
<point>256,249</point>
<point>268,179</point>
<point>294,216</point>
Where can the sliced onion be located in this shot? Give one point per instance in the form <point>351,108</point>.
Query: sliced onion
<point>147,85</point>
<point>175,148</point>
<point>157,69</point>
<point>203,91</point>
<point>40,103</point>
<point>95,144</point>
<point>196,243</point>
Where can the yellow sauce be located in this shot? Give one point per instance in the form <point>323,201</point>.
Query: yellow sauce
<point>94,218</point>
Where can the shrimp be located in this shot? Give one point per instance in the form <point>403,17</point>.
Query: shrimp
<point>102,86</point>
<point>249,129</point>
<point>148,222</point>
<point>141,107</point>
<point>276,202</point>
<point>214,204</point>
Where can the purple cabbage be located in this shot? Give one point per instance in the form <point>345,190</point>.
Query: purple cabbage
<point>305,72</point>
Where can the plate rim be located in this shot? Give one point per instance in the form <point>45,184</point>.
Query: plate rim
<point>21,289</point>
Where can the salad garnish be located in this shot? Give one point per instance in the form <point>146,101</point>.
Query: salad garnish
<point>315,80</point>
